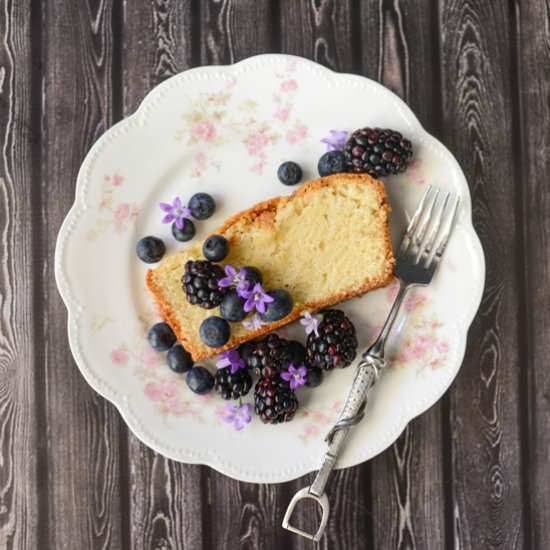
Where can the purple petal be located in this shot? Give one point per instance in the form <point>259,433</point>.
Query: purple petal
<point>230,271</point>
<point>293,384</point>
<point>260,307</point>
<point>244,291</point>
<point>180,222</point>
<point>168,218</point>
<point>225,282</point>
<point>286,376</point>
<point>228,418</point>
<point>165,207</point>
<point>177,203</point>
<point>303,372</point>
<point>268,299</point>
<point>185,212</point>
<point>239,424</point>
<point>249,304</point>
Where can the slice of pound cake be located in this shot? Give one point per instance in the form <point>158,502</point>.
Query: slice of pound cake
<point>327,242</point>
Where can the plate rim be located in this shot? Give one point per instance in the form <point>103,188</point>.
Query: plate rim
<point>122,403</point>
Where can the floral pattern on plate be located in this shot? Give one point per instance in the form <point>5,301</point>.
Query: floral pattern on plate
<point>216,118</point>
<point>115,215</point>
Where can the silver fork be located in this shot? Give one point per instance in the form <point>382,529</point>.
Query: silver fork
<point>419,255</point>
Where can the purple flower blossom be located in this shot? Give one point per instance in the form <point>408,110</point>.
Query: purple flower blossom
<point>255,322</point>
<point>336,140</point>
<point>175,211</point>
<point>231,359</point>
<point>310,323</point>
<point>296,376</point>
<point>235,279</point>
<point>256,298</point>
<point>238,415</point>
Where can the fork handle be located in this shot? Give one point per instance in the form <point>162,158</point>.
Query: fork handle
<point>366,375</point>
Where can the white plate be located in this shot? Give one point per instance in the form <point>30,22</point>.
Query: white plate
<point>225,130</point>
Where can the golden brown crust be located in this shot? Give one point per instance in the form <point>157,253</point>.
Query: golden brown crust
<point>266,211</point>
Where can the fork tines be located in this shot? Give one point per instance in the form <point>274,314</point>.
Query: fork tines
<point>430,228</point>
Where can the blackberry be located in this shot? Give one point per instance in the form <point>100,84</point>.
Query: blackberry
<point>267,356</point>
<point>200,283</point>
<point>274,401</point>
<point>336,345</point>
<point>233,386</point>
<point>377,151</point>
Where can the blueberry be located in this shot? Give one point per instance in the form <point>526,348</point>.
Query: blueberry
<point>161,337</point>
<point>185,234</point>
<point>231,309</point>
<point>178,359</point>
<point>280,307</point>
<point>202,206</point>
<point>332,162</point>
<point>199,380</point>
<point>314,377</point>
<point>215,248</point>
<point>289,173</point>
<point>252,275</point>
<point>215,331</point>
<point>150,249</point>
<point>297,352</point>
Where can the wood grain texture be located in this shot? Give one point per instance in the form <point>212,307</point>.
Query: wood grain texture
<point>469,474</point>
<point>408,479</point>
<point>83,429</point>
<point>19,406</point>
<point>234,29</point>
<point>532,26</point>
<point>485,420</point>
<point>166,498</point>
<point>321,30</point>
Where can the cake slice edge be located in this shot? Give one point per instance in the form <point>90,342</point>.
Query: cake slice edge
<point>251,216</point>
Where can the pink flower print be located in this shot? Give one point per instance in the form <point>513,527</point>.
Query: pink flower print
<point>122,213</point>
<point>119,356</point>
<point>163,390</point>
<point>414,300</point>
<point>150,358</point>
<point>282,113</point>
<point>289,86</point>
<point>311,430</point>
<point>153,391</point>
<point>200,159</point>
<point>277,98</point>
<point>203,131</point>
<point>255,143</point>
<point>415,172</point>
<point>298,134</point>
<point>258,167</point>
<point>442,347</point>
<point>175,405</point>
<point>117,180</point>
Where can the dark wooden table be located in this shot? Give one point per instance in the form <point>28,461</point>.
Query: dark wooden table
<point>471,473</point>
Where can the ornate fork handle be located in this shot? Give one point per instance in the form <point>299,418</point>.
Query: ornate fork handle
<point>366,375</point>
<point>353,412</point>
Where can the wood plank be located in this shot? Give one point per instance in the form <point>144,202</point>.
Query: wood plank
<point>532,34</point>
<point>231,31</point>
<point>407,480</point>
<point>20,455</point>
<point>485,420</point>
<point>325,32</point>
<point>166,497</point>
<point>83,430</point>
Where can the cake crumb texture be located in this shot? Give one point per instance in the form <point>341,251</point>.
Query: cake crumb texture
<point>327,242</point>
